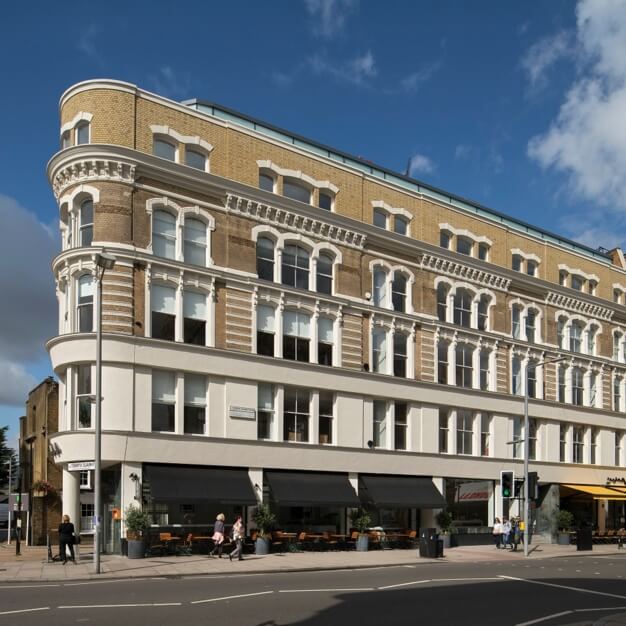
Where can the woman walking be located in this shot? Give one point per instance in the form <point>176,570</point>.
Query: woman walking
<point>66,539</point>
<point>218,535</point>
<point>497,532</point>
<point>238,535</point>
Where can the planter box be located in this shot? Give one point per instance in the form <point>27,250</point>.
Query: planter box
<point>136,548</point>
<point>362,543</point>
<point>262,546</point>
<point>563,539</point>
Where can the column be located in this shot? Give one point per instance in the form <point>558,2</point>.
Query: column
<point>391,425</point>
<point>210,335</point>
<point>474,314</point>
<point>410,363</point>
<point>452,417</point>
<point>587,446</point>
<point>450,308</point>
<point>278,325</point>
<point>179,334</point>
<point>337,340</point>
<point>314,336</point>
<point>389,335</point>
<point>71,496</point>
<point>476,367</point>
<point>313,275</point>
<point>314,419</point>
<point>147,307</point>
<point>279,426</point>
<point>179,407</point>
<point>278,265</point>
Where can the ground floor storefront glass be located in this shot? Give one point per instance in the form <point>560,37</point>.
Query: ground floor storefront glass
<point>111,502</point>
<point>310,519</point>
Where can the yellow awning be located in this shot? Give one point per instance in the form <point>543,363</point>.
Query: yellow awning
<point>599,492</point>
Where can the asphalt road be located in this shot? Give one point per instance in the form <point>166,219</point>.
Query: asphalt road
<point>573,590</point>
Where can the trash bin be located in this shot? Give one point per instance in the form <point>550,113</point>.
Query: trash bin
<point>428,543</point>
<point>439,549</point>
<point>584,538</point>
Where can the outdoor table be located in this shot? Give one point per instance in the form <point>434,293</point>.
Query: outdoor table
<point>290,538</point>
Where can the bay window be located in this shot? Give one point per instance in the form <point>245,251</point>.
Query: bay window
<point>86,223</point>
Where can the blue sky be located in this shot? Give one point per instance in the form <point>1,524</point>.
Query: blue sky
<point>517,105</point>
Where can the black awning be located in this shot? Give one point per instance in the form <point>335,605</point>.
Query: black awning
<point>216,484</point>
<point>309,489</point>
<point>416,492</point>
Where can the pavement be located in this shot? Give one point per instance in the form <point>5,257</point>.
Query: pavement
<point>33,564</point>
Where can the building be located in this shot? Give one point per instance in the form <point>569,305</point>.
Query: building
<point>291,323</point>
<point>43,507</point>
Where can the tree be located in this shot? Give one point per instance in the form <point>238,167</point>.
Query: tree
<point>6,455</point>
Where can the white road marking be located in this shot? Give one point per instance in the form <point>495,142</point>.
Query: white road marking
<point>27,586</point>
<point>41,608</point>
<point>324,590</point>
<point>566,587</point>
<point>413,582</point>
<point>544,619</point>
<point>608,608</point>
<point>446,580</point>
<point>244,595</point>
<point>117,606</point>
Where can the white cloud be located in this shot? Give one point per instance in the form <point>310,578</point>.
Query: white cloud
<point>87,44</point>
<point>543,55</point>
<point>170,83</point>
<point>587,140</point>
<point>414,81</point>
<point>329,16</point>
<point>463,151</point>
<point>356,70</point>
<point>28,315</point>
<point>420,164</point>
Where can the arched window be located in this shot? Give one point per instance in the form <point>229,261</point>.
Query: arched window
<point>164,149</point>
<point>398,292</point>
<point>164,234</point>
<point>195,242</point>
<point>464,372</point>
<point>324,274</point>
<point>463,308</point>
<point>296,336</point>
<point>442,301</point>
<point>266,182</point>
<point>295,267</point>
<point>531,379</point>
<point>380,218</point>
<point>195,159</point>
<point>84,304</point>
<point>531,325</point>
<point>561,394</point>
<point>265,258</point>
<point>380,287</point>
<point>516,313</point>
<point>82,133</point>
<point>483,312</point>
<point>400,341</point>
<point>575,336</point>
<point>401,225</point>
<point>445,239</point>
<point>379,351</point>
<point>86,223</point>
<point>464,246</point>
<point>296,191</point>
<point>442,362</point>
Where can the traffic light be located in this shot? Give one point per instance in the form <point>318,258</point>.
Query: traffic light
<point>507,480</point>
<point>533,485</point>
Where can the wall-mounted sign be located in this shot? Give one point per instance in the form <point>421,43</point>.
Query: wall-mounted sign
<point>242,412</point>
<point>473,492</point>
<point>81,466</point>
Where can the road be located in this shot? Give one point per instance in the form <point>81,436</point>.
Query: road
<point>550,592</point>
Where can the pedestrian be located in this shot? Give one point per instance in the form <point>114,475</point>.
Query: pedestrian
<point>218,535</point>
<point>66,539</point>
<point>497,532</point>
<point>522,530</point>
<point>506,532</point>
<point>238,535</point>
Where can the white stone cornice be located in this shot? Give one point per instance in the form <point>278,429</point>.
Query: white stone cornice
<point>90,170</point>
<point>579,306</point>
<point>288,220</point>
<point>460,270</point>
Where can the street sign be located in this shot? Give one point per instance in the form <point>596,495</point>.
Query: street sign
<point>81,466</point>
<point>14,499</point>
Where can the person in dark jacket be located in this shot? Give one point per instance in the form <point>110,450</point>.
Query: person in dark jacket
<point>66,539</point>
<point>218,535</point>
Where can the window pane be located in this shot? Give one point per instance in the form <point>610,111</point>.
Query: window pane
<point>265,318</point>
<point>326,201</point>
<point>483,250</point>
<point>401,225</point>
<point>194,305</point>
<point>265,258</point>
<point>380,287</point>
<point>82,133</point>
<point>162,417</point>
<point>196,159</point>
<point>163,299</point>
<point>164,149</point>
<point>195,389</point>
<point>84,379</point>
<point>324,274</point>
<point>398,292</point>
<point>325,418</point>
<point>195,418</point>
<point>444,239</point>
<point>296,191</point>
<point>195,234</point>
<point>517,263</point>
<point>163,386</point>
<point>164,234</point>
<point>379,349</point>
<point>380,423</point>
<point>325,329</point>
<point>380,219</point>
<point>194,332</point>
<point>463,246</point>
<point>266,182</point>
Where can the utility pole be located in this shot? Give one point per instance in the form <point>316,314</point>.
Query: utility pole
<point>18,519</point>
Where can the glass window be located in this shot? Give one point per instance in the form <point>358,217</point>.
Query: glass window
<point>84,396</point>
<point>595,438</point>
<point>265,414</point>
<point>562,442</point>
<point>195,159</point>
<point>616,341</point>
<point>561,384</point>
<point>464,371</point>
<point>617,295</point>
<point>325,340</point>
<point>515,322</point>
<point>326,201</point>
<point>442,301</point>
<point>617,394</point>
<point>517,437</point>
<point>400,342</point>
<point>591,339</point>
<point>398,292</point>
<point>464,246</point>
<point>380,219</point>
<point>194,318</point>
<point>578,449</point>
<point>164,149</point>
<point>380,287</point>
<point>483,312</point>
<point>485,433</point>
<point>442,362</point>
<point>265,258</point>
<point>577,282</point>
<point>400,425</point>
<point>163,303</point>
<point>483,251</point>
<point>560,332</point>
<point>443,430</point>
<point>485,356</point>
<point>326,417</point>
<point>532,438</point>
<point>82,133</point>
<point>296,335</point>
<point>296,191</point>
<point>86,223</point>
<point>85,479</point>
<point>295,267</point>
<point>531,379</point>
<point>462,308</point>
<point>464,432</point>
<point>516,376</point>
<point>401,225</point>
<point>593,388</point>
<point>444,239</point>
<point>195,244</point>
<point>164,234</point>
<point>575,336</point>
<point>265,330</point>
<point>297,414</point>
<point>84,308</point>
<point>531,268</point>
<point>379,350</point>
<point>163,401</point>
<point>531,325</point>
<point>324,274</point>
<point>66,142</point>
<point>577,386</point>
<point>380,424</point>
<point>516,263</point>
<point>563,278</point>
<point>195,404</point>
<point>266,182</point>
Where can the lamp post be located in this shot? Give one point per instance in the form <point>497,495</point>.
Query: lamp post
<point>527,453</point>
<point>104,262</point>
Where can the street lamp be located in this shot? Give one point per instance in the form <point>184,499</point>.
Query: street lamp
<point>104,262</point>
<point>527,453</point>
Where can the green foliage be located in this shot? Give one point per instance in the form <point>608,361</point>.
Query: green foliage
<point>444,520</point>
<point>564,520</point>
<point>137,521</point>
<point>6,454</point>
<point>361,519</point>
<point>264,520</point>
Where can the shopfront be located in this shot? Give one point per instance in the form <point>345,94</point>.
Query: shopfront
<point>471,503</point>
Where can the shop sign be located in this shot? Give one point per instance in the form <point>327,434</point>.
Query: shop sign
<point>473,492</point>
<point>81,466</point>
<point>242,412</point>
<point>615,479</point>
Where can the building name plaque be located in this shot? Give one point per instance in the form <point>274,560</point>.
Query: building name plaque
<point>81,466</point>
<point>242,412</point>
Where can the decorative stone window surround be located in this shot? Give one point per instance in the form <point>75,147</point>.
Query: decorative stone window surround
<point>70,206</point>
<point>381,205</point>
<point>391,325</point>
<point>589,278</point>
<point>462,232</point>
<point>525,256</point>
<point>389,442</point>
<point>70,127</point>
<point>321,185</point>
<point>525,307</point>
<point>618,287</point>
<point>390,271</point>
<point>453,287</point>
<point>588,368</point>
<point>193,141</point>
<point>587,326</point>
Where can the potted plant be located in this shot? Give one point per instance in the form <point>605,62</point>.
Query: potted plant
<point>137,522</point>
<point>361,520</point>
<point>42,488</point>
<point>444,521</point>
<point>265,521</point>
<point>564,521</point>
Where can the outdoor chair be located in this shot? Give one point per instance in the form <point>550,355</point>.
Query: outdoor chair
<point>351,541</point>
<point>277,544</point>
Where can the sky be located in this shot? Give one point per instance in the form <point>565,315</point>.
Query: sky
<point>520,106</point>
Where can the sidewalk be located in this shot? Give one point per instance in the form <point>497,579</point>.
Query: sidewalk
<point>33,566</point>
